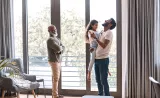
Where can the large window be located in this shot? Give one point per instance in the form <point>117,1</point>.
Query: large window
<point>18,28</point>
<point>102,10</point>
<point>72,36</point>
<point>70,18</point>
<point>39,18</point>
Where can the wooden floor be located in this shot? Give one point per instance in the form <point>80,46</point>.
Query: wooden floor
<point>40,96</point>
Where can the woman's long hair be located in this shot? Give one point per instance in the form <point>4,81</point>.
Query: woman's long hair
<point>89,27</point>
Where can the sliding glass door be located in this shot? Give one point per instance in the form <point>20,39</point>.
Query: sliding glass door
<point>73,22</point>
<point>39,18</point>
<point>72,35</point>
<point>17,9</point>
<point>102,10</point>
<point>74,19</point>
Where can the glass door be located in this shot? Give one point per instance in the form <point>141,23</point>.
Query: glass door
<point>74,14</point>
<point>73,76</point>
<point>102,10</point>
<point>39,18</point>
<point>18,35</point>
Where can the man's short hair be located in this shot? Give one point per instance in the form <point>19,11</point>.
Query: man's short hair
<point>113,22</point>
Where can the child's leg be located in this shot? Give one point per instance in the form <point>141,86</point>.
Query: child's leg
<point>92,60</point>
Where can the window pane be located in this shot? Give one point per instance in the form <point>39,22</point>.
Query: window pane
<point>102,10</point>
<point>18,28</point>
<point>72,35</point>
<point>38,21</point>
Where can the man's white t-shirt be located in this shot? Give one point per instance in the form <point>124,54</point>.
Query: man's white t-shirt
<point>104,53</point>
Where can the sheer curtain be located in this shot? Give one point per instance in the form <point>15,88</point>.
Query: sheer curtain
<point>124,4</point>
<point>6,28</point>
<point>157,41</point>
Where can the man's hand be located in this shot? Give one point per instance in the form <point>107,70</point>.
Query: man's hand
<point>59,52</point>
<point>89,76</point>
<point>93,35</point>
<point>91,49</point>
<point>61,49</point>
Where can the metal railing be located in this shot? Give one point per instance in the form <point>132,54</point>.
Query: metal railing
<point>73,72</point>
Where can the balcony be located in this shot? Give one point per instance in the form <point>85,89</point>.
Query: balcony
<point>73,72</point>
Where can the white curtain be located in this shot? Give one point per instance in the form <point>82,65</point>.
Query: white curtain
<point>157,40</point>
<point>124,4</point>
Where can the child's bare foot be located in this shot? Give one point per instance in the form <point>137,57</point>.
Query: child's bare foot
<point>89,76</point>
<point>109,74</point>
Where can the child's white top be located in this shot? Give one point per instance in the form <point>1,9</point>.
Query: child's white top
<point>92,41</point>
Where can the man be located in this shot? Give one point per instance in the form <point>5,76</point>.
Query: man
<point>55,50</point>
<point>102,56</point>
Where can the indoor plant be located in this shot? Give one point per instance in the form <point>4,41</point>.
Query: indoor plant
<point>13,69</point>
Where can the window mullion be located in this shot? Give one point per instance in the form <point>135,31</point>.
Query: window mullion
<point>25,34</point>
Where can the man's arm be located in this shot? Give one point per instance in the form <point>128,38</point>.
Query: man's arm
<point>63,48</point>
<point>52,44</point>
<point>103,45</point>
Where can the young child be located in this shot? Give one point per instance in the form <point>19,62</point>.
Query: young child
<point>92,28</point>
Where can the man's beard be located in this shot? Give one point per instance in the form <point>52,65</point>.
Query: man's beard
<point>53,34</point>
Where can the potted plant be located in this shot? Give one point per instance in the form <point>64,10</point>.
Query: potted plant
<point>12,65</point>
<point>10,73</point>
<point>3,63</point>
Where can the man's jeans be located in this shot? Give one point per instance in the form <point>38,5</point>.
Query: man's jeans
<point>101,73</point>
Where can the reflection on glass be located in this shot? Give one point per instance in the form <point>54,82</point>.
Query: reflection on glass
<point>38,21</point>
<point>72,36</point>
<point>102,10</point>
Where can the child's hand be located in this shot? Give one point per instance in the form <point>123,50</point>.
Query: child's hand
<point>93,35</point>
<point>109,74</point>
<point>90,32</point>
<point>89,76</point>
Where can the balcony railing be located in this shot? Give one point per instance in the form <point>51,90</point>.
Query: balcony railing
<point>73,72</point>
